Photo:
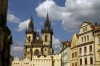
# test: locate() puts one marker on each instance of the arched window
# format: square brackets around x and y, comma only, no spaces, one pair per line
[36,52]
[29,39]
[45,37]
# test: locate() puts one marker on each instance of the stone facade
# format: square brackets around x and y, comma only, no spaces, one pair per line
[86,45]
[5,35]
[35,45]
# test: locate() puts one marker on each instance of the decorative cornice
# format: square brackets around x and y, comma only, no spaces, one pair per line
[85,43]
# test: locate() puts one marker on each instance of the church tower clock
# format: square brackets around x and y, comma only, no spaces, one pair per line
[47,33]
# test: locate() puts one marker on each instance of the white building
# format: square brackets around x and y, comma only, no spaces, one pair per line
[86,45]
[65,54]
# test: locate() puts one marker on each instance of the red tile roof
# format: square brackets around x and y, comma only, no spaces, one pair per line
[66,43]
[93,27]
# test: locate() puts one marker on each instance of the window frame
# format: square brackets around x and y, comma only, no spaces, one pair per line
[91,60]
[90,48]
[85,49]
[85,60]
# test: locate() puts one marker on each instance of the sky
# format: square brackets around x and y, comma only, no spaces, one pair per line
[65,15]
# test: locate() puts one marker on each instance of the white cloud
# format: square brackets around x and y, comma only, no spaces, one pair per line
[55,40]
[23,25]
[17,48]
[56,44]
[72,14]
[12,18]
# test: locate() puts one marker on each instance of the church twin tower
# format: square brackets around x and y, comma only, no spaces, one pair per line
[35,46]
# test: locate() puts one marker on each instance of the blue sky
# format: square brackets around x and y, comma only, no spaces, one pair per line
[65,16]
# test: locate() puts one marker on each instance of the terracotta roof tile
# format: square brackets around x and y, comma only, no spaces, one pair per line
[66,43]
[93,27]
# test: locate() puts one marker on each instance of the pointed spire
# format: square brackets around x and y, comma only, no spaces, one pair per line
[31,19]
[31,25]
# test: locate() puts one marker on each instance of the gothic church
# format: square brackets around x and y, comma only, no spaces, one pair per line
[35,46]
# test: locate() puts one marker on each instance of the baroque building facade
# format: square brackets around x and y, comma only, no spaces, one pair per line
[35,45]
[74,50]
[5,36]
[86,45]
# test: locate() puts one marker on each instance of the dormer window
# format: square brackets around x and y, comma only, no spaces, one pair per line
[84,29]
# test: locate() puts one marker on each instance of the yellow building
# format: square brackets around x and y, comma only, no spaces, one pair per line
[24,62]
[56,60]
[42,60]
[74,50]
[96,34]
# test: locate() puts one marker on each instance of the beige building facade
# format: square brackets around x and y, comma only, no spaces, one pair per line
[74,50]
[96,34]
[86,45]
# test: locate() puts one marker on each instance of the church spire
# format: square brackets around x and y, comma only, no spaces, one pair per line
[31,25]
[47,24]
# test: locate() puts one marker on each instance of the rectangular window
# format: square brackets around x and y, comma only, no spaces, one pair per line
[75,54]
[91,60]
[72,55]
[75,63]
[72,64]
[80,50]
[90,48]
[82,39]
[85,61]
[83,30]
[85,50]
[87,37]
[80,61]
